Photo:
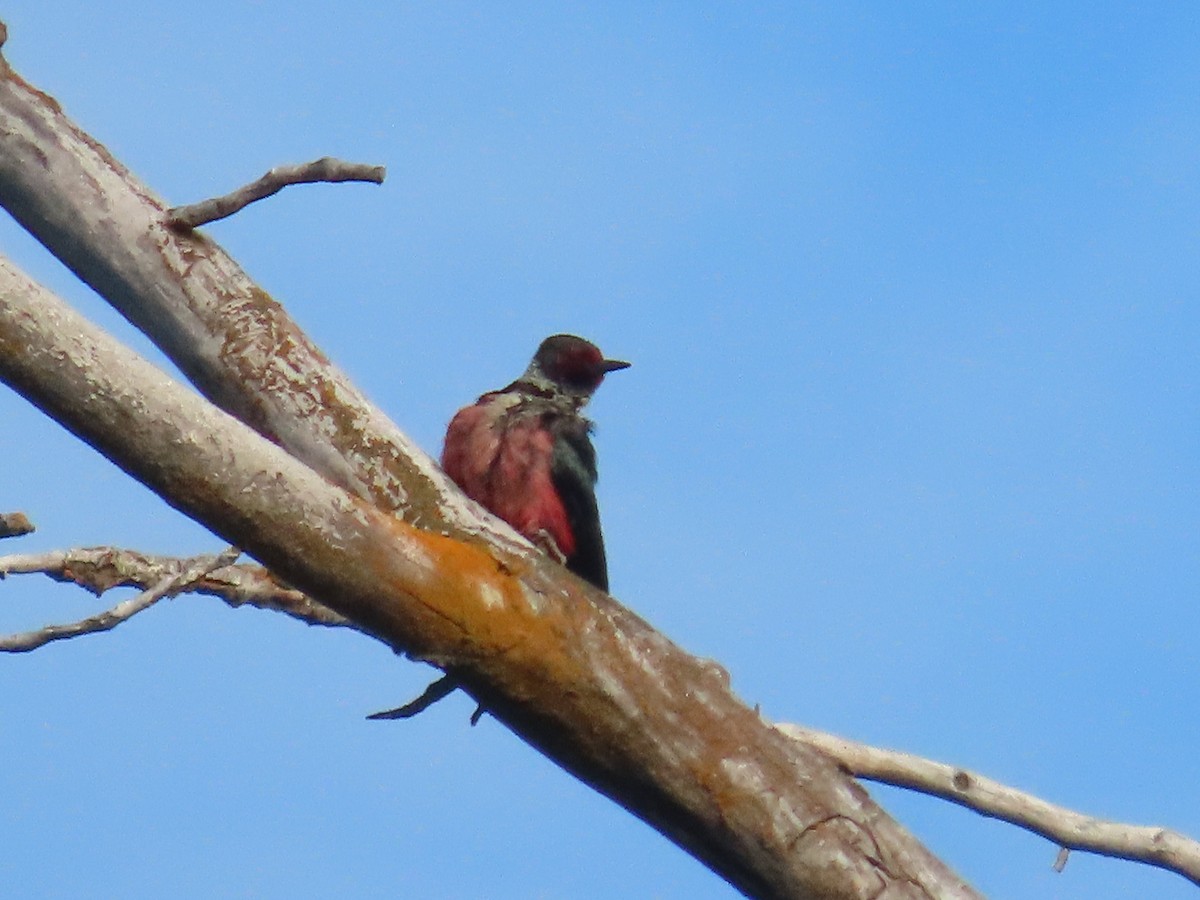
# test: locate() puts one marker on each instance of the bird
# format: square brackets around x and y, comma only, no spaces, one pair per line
[525,453]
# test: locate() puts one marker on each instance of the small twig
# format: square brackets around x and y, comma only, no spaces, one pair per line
[98,569]
[14,524]
[325,169]
[1060,862]
[189,572]
[1159,847]
[440,689]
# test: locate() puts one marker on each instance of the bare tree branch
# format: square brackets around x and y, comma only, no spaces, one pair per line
[1159,847]
[100,569]
[563,665]
[97,569]
[570,670]
[325,169]
[227,335]
[188,572]
[15,524]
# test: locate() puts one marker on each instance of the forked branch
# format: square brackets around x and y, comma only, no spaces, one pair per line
[99,569]
[187,573]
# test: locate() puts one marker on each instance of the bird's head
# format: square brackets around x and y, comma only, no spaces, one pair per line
[572,365]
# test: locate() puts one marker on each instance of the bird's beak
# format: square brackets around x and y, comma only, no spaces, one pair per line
[612,365]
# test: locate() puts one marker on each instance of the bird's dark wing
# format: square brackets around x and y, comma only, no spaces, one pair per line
[573,471]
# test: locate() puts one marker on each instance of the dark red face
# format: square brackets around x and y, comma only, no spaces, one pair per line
[575,363]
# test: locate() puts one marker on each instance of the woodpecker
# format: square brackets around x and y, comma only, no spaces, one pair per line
[525,452]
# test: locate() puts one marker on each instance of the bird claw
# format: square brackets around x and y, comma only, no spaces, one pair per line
[546,541]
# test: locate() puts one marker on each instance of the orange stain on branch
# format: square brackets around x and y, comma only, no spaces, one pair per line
[483,606]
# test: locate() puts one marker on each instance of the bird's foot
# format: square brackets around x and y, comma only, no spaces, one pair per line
[546,541]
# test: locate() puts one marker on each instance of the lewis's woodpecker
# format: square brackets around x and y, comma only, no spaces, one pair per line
[525,452]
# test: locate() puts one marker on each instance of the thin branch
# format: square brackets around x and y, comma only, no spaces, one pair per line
[439,690]
[325,169]
[98,569]
[106,621]
[14,524]
[1151,845]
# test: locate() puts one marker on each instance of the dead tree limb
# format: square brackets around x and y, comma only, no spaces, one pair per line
[99,569]
[102,568]
[566,667]
[244,353]
[1160,847]
[228,336]
[325,169]
[187,573]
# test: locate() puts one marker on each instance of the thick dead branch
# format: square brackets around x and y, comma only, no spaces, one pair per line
[226,334]
[187,572]
[325,169]
[566,667]
[1159,847]
[14,525]
[98,569]
[563,665]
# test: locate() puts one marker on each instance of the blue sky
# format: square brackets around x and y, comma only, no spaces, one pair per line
[909,444]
